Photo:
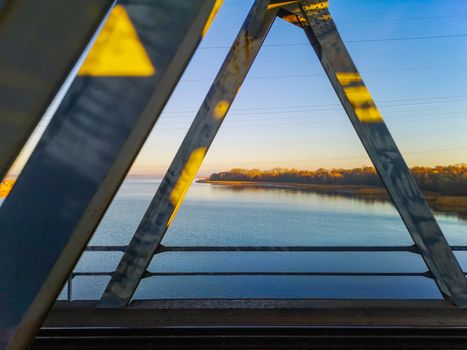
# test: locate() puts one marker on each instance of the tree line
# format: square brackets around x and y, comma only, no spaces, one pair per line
[446,180]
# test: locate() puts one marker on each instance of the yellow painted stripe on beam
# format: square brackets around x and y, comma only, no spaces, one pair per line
[359,97]
[281,4]
[346,78]
[186,178]
[363,104]
[221,108]
[118,51]
[358,94]
[368,114]
[212,15]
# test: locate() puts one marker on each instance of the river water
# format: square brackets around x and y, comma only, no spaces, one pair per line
[216,215]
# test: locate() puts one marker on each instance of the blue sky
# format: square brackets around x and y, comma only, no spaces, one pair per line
[287,115]
[419,85]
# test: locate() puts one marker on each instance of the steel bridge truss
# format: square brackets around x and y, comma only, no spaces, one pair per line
[316,21]
[106,115]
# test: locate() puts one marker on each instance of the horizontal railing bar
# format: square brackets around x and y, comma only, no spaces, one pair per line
[260,273]
[163,249]
[356,274]
[77,274]
[106,248]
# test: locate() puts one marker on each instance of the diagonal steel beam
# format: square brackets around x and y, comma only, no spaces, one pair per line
[36,57]
[187,161]
[382,150]
[85,152]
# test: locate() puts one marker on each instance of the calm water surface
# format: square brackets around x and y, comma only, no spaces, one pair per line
[217,215]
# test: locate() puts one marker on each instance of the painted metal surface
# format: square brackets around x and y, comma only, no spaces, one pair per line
[383,152]
[292,14]
[187,161]
[85,152]
[36,57]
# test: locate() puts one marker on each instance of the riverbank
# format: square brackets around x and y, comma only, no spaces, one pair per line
[440,203]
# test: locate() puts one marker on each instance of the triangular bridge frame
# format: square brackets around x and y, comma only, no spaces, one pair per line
[314,17]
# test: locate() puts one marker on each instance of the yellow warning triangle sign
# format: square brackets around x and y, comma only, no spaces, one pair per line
[117,50]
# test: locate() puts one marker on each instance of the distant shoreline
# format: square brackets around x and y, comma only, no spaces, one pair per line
[440,203]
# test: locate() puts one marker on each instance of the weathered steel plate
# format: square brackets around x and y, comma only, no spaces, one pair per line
[36,57]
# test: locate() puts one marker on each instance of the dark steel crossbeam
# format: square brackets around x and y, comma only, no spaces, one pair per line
[36,57]
[83,156]
[382,150]
[191,153]
[257,323]
[293,329]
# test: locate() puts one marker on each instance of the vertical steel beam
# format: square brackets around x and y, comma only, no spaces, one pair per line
[40,42]
[383,152]
[85,152]
[188,159]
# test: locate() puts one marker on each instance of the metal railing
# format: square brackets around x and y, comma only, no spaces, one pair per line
[227,249]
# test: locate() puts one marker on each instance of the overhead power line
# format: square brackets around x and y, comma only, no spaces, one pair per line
[353,41]
[373,20]
[422,100]
[362,157]
[411,19]
[322,74]
[293,161]
[409,38]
